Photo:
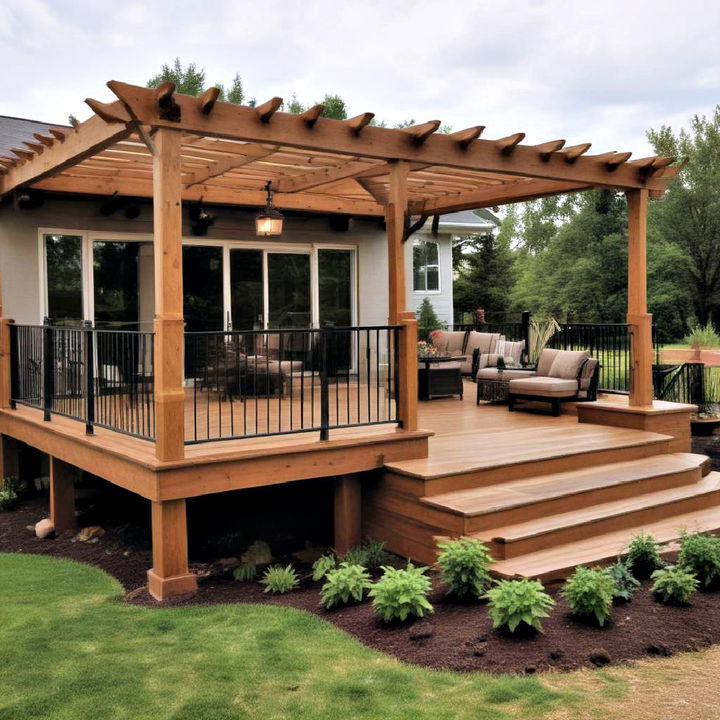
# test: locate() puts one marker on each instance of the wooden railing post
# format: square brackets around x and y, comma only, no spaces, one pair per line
[169,325]
[640,321]
[408,371]
[6,372]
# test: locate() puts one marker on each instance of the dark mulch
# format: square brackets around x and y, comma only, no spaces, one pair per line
[457,636]
[708,446]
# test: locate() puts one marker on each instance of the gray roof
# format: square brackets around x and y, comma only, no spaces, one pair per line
[464,217]
[14,130]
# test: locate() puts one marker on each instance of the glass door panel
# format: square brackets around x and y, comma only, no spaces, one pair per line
[288,290]
[202,288]
[335,283]
[246,289]
[115,284]
[63,262]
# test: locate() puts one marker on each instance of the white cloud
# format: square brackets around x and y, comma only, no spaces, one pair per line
[600,72]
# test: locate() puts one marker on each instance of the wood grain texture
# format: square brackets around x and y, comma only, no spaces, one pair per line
[62,495]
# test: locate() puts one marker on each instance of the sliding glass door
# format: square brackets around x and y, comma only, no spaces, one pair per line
[288,283]
[246,289]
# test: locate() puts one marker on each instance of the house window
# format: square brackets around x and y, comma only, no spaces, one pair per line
[63,267]
[426,266]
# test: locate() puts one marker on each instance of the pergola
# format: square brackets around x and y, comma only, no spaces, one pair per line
[174,148]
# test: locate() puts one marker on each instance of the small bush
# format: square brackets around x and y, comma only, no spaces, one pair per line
[643,556]
[371,555]
[625,583]
[465,566]
[245,572]
[674,585]
[590,593]
[516,602]
[9,494]
[343,584]
[700,554]
[400,594]
[279,579]
[322,566]
[703,336]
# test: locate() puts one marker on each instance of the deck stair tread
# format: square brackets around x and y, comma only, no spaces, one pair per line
[559,560]
[491,499]
[708,486]
[483,450]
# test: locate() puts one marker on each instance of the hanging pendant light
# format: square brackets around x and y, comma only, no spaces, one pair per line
[269,221]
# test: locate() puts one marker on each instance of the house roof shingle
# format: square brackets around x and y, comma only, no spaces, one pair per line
[13,131]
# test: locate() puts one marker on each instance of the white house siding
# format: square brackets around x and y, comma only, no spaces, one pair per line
[20,262]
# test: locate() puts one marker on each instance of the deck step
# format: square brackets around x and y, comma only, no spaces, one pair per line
[472,460]
[586,521]
[526,499]
[558,562]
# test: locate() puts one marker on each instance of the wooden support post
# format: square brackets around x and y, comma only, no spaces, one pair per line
[62,495]
[408,371]
[395,216]
[169,575]
[9,459]
[348,503]
[640,321]
[5,363]
[169,325]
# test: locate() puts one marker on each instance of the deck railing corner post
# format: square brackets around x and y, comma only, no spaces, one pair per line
[89,362]
[324,396]
[48,368]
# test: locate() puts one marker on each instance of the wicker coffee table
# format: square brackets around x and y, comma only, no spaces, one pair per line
[496,389]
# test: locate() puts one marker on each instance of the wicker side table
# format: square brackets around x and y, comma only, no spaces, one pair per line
[492,390]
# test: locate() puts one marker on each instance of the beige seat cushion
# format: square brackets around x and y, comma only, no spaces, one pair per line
[567,364]
[545,361]
[492,373]
[484,342]
[448,341]
[544,387]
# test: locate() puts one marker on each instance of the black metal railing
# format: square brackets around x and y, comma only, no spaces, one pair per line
[685,383]
[101,377]
[274,382]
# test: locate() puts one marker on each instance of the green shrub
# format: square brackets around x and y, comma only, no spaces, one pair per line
[590,592]
[703,336]
[322,566]
[625,583]
[245,572]
[371,555]
[9,494]
[643,556]
[343,584]
[674,585]
[700,554]
[465,566]
[279,579]
[512,602]
[400,594]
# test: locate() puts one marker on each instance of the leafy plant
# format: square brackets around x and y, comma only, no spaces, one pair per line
[703,336]
[674,585]
[348,582]
[700,554]
[625,583]
[643,556]
[540,332]
[9,494]
[322,566]
[279,579]
[512,602]
[400,594]
[465,566]
[428,320]
[245,572]
[371,555]
[590,592]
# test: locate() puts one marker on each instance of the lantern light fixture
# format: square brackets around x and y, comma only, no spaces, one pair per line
[269,221]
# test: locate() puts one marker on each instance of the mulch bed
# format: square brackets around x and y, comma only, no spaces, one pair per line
[458,636]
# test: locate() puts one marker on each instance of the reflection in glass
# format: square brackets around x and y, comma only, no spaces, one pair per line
[288,290]
[115,280]
[63,255]
[202,288]
[246,289]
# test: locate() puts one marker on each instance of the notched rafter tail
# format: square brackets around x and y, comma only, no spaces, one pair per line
[206,102]
[357,123]
[164,93]
[106,111]
[420,133]
[546,149]
[23,154]
[6,161]
[37,148]
[572,153]
[612,160]
[268,109]
[467,137]
[507,144]
[44,139]
[59,135]
[310,116]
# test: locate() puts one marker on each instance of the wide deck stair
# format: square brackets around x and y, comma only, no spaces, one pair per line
[543,499]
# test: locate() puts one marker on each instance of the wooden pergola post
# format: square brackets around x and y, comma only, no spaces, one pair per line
[395,215]
[640,321]
[169,324]
[169,575]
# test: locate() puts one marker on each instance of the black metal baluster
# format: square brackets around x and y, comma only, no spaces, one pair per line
[324,400]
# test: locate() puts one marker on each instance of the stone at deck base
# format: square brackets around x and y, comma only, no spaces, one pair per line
[45,529]
[258,553]
[89,533]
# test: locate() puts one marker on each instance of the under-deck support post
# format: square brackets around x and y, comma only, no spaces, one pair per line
[640,321]
[62,495]
[169,325]
[395,218]
[348,502]
[169,575]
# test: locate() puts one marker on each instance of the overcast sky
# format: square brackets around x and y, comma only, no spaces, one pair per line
[601,72]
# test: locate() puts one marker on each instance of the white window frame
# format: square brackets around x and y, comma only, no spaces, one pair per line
[439,287]
[90,237]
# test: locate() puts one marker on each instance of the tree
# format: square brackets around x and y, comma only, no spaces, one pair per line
[334,107]
[688,215]
[428,320]
[188,80]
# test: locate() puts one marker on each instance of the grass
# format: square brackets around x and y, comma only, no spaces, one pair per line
[71,649]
